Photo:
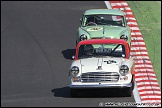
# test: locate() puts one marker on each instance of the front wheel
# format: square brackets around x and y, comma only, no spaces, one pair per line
[128,91]
[73,92]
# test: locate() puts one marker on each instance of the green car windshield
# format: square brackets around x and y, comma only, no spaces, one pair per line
[103,19]
[100,50]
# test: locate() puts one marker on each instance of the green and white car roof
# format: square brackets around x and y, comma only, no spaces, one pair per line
[104,11]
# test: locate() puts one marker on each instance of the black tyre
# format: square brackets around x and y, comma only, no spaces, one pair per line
[128,91]
[73,92]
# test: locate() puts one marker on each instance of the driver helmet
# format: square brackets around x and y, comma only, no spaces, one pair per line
[89,50]
[91,19]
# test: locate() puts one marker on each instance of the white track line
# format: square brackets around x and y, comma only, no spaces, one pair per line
[136,33]
[147,87]
[143,97]
[144,52]
[138,48]
[145,74]
[141,83]
[133,23]
[143,65]
[149,92]
[108,5]
[147,70]
[136,94]
[141,61]
[128,13]
[138,43]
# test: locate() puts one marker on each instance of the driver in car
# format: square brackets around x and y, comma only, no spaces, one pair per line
[91,21]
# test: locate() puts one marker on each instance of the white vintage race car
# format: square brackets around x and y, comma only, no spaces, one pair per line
[102,63]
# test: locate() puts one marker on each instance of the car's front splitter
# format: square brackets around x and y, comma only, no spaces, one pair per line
[100,85]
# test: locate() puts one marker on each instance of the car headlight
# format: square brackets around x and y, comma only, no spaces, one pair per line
[124,37]
[74,70]
[83,37]
[124,70]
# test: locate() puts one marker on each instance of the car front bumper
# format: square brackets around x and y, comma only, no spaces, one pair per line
[84,86]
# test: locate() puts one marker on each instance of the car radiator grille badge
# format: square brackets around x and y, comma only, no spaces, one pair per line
[99,68]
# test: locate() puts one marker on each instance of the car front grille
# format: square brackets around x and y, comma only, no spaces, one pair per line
[100,77]
[101,37]
[97,37]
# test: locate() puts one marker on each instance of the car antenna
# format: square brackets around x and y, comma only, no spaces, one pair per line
[104,32]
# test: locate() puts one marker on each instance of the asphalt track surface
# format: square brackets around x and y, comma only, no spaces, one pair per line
[37,42]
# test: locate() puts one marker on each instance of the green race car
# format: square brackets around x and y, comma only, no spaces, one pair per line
[103,23]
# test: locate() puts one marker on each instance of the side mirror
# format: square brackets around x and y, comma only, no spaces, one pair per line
[127,21]
[80,20]
[73,57]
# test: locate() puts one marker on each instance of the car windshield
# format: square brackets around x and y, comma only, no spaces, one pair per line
[103,19]
[100,50]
